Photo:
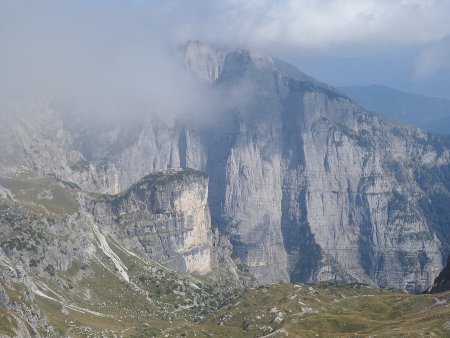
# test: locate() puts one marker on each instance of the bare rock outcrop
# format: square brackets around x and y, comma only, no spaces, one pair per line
[307,185]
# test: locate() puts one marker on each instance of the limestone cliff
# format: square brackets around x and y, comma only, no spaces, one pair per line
[166,216]
[64,250]
[307,185]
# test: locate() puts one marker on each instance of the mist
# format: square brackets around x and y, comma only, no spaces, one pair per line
[122,57]
[94,57]
[434,59]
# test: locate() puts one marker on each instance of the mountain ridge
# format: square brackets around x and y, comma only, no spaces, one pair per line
[306,184]
[426,112]
[165,225]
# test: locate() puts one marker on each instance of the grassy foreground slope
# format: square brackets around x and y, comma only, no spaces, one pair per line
[329,311]
[271,311]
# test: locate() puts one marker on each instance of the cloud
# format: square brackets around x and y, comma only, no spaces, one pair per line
[434,59]
[103,57]
[312,24]
[115,54]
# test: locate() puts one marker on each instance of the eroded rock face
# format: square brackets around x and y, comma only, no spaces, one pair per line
[165,215]
[59,243]
[362,214]
[306,184]
[37,140]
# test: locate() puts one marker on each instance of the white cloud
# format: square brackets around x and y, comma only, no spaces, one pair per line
[315,24]
[105,56]
[102,48]
[434,59]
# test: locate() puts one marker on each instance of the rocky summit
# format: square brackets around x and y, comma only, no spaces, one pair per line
[116,223]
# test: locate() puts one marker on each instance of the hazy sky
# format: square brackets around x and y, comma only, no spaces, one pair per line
[125,46]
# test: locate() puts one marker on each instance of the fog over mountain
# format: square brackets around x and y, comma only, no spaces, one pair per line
[164,172]
[97,51]
[121,90]
[102,59]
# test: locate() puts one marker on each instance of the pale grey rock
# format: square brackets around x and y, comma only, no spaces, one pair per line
[203,60]
[53,254]
[306,185]
[349,193]
[4,193]
[4,299]
[165,216]
[37,140]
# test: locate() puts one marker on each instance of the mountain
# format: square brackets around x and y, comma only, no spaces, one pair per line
[429,113]
[169,223]
[102,260]
[305,184]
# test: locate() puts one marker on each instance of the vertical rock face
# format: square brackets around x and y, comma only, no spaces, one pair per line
[244,164]
[363,216]
[166,216]
[306,184]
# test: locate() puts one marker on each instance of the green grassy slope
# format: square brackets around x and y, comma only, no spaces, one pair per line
[89,297]
[115,309]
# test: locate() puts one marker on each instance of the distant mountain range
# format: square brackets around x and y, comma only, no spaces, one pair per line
[429,113]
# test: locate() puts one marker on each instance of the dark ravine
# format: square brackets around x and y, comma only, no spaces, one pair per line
[442,281]
[305,184]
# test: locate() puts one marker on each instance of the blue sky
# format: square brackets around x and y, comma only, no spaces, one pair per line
[396,68]
[400,43]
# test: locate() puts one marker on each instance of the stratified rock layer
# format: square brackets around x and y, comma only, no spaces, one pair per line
[306,184]
[166,216]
